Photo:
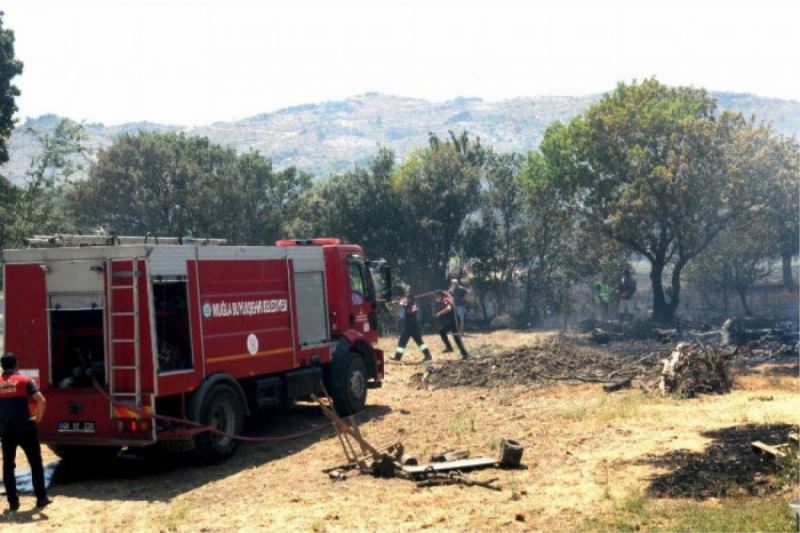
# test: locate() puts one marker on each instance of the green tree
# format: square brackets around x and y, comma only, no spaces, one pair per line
[171,184]
[10,67]
[654,168]
[359,206]
[548,246]
[781,176]
[437,187]
[737,260]
[503,201]
[39,205]
[8,196]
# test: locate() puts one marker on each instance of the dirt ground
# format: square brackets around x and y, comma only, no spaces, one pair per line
[594,461]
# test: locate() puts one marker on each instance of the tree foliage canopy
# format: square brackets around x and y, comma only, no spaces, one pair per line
[10,67]
[654,168]
[170,184]
[649,170]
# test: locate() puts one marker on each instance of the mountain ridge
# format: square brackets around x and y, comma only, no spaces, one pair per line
[332,136]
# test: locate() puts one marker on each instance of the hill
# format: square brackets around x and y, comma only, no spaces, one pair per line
[330,137]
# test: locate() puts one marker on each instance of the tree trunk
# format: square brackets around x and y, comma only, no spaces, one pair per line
[786,260]
[675,297]
[528,296]
[661,312]
[725,277]
[743,299]
[663,309]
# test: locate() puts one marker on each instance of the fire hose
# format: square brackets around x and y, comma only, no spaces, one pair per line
[197,427]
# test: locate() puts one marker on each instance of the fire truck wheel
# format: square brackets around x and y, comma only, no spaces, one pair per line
[354,387]
[94,454]
[223,410]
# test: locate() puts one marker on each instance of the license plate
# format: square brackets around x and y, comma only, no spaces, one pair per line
[75,427]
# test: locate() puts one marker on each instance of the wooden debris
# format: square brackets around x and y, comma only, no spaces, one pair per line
[794,440]
[600,336]
[449,456]
[666,335]
[448,466]
[773,451]
[458,478]
[619,385]
[694,368]
[395,449]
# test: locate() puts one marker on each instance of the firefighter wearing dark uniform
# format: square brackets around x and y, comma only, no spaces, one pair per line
[19,428]
[411,328]
[447,318]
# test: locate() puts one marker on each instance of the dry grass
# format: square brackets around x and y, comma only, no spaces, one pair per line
[592,460]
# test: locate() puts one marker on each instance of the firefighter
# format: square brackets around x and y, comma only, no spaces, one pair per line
[603,298]
[408,314]
[19,428]
[625,291]
[447,318]
[459,293]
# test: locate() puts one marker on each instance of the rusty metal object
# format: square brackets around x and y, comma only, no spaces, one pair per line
[395,449]
[511,453]
[408,460]
[349,436]
[384,466]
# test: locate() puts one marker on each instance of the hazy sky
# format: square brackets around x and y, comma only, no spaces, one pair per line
[189,62]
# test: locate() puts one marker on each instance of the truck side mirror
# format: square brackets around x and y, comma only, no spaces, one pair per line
[381,270]
[386,282]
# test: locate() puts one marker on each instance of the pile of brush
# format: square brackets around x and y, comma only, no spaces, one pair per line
[694,368]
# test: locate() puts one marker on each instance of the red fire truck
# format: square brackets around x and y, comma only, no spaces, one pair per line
[192,329]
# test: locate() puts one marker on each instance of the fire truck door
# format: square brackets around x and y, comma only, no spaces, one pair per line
[362,295]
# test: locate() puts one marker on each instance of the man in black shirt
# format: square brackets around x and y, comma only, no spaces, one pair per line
[447,319]
[19,428]
[411,328]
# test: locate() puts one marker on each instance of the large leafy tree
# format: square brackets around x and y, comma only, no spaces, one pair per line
[438,187]
[359,206]
[502,205]
[39,205]
[656,169]
[781,176]
[548,245]
[7,201]
[10,67]
[171,184]
[738,258]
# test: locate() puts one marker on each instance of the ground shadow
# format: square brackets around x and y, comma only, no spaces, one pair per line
[161,477]
[25,517]
[785,368]
[728,466]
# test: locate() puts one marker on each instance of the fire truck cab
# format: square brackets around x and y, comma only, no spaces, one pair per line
[115,329]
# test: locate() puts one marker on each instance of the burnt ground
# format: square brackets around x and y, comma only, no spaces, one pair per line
[569,358]
[587,453]
[726,467]
[575,357]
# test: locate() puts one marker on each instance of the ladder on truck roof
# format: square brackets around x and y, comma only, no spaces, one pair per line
[65,239]
[124,353]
